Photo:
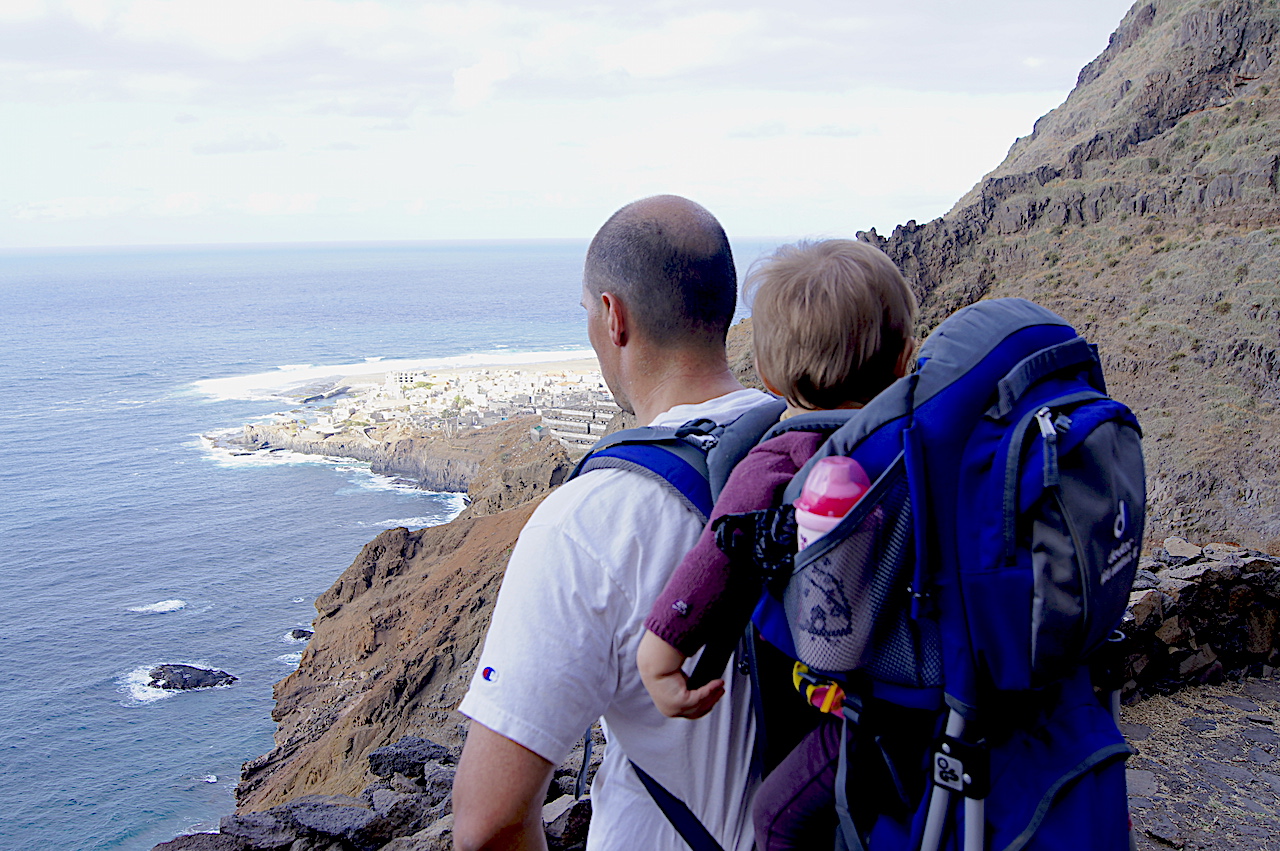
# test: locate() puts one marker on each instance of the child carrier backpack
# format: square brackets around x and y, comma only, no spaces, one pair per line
[988,563]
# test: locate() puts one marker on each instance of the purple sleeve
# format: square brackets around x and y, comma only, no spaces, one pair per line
[701,597]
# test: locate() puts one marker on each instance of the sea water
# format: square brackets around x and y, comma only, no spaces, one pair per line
[130,539]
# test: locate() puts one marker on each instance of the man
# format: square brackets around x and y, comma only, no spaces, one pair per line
[659,290]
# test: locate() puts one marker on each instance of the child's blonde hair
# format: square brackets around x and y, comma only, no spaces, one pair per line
[830,321]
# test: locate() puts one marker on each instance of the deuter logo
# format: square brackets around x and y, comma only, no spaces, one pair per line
[1122,521]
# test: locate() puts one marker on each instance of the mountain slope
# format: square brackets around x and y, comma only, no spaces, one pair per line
[1145,211]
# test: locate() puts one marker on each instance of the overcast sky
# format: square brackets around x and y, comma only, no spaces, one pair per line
[168,121]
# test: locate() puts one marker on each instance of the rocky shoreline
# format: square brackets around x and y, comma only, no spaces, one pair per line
[433,460]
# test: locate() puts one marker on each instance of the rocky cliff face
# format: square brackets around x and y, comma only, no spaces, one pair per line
[392,653]
[395,635]
[436,461]
[1145,211]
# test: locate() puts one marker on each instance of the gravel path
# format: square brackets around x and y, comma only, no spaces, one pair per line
[1207,771]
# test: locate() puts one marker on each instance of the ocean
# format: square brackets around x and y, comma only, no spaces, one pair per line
[131,540]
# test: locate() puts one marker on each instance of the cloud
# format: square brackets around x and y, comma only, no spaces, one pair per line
[277,204]
[837,131]
[243,143]
[474,84]
[768,130]
[82,207]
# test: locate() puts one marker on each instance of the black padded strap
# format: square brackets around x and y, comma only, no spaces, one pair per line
[694,833]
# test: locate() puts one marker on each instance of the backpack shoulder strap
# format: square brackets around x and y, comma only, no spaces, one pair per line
[823,422]
[693,460]
[734,440]
[658,453]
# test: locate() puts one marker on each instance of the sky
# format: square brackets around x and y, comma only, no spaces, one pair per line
[138,122]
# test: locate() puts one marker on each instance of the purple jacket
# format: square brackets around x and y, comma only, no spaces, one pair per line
[701,597]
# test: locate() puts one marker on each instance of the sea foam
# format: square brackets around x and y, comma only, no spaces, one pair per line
[135,685]
[160,608]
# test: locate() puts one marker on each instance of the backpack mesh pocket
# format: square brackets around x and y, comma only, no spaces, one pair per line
[847,602]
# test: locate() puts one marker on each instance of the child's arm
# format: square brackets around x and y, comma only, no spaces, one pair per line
[660,669]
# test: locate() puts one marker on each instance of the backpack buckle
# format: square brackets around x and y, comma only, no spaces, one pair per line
[765,540]
[962,767]
[701,432]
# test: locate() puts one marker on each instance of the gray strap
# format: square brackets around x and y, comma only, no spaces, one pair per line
[1072,353]
[847,838]
[580,785]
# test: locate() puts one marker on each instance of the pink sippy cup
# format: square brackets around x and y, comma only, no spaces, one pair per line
[834,485]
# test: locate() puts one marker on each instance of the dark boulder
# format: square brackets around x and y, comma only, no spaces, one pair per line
[185,677]
[407,757]
[203,842]
[300,634]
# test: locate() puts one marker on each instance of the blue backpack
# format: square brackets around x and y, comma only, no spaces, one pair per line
[972,584]
[989,562]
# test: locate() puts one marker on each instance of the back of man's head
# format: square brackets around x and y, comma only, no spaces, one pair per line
[669,262]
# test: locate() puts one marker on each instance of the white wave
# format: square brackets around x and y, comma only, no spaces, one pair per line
[277,383]
[160,608]
[291,659]
[298,600]
[135,685]
[227,455]
[450,505]
[209,778]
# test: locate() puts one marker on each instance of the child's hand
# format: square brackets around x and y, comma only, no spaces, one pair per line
[659,665]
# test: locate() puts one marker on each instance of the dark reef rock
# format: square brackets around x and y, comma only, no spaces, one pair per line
[187,677]
[300,634]
[408,756]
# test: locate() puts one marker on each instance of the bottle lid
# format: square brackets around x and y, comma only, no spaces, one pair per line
[834,485]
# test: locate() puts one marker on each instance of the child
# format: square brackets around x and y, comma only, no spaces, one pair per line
[832,325]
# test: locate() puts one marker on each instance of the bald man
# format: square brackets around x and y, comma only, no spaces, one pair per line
[659,290]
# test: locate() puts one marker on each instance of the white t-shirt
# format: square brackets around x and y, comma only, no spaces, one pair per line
[561,652]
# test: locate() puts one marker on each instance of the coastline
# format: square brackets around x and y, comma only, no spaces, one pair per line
[425,425]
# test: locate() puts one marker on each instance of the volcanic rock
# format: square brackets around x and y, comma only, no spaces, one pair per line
[187,677]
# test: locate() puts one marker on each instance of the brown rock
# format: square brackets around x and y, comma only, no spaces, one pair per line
[1190,572]
[437,837]
[1218,552]
[1144,604]
[1260,630]
[1197,662]
[1171,631]
[1179,547]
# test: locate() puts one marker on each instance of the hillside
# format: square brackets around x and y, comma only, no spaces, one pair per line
[1144,209]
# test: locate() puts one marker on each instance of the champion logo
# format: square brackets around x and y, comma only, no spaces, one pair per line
[490,675]
[1122,521]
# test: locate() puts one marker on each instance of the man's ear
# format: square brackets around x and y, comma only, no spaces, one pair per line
[616,317]
[904,359]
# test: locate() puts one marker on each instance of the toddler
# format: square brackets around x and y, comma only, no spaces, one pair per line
[832,324]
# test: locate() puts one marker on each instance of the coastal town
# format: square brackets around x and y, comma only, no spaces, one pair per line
[570,396]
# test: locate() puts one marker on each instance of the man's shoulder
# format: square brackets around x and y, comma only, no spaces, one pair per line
[722,409]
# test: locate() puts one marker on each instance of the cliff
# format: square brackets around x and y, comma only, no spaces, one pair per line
[1144,209]
[391,656]
[436,461]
